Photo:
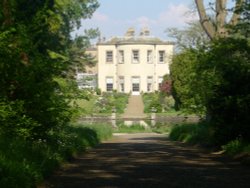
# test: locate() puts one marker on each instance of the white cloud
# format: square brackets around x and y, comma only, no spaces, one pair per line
[173,16]
[99,17]
[176,15]
[144,21]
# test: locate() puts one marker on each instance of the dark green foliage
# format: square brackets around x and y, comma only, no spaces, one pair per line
[200,133]
[35,48]
[36,88]
[215,80]
[187,90]
[229,101]
[24,164]
[151,102]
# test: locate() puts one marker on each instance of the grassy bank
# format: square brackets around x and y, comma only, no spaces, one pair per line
[137,128]
[102,105]
[203,134]
[25,163]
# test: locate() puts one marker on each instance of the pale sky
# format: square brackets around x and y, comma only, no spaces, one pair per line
[114,17]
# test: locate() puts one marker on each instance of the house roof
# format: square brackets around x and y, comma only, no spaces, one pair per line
[135,40]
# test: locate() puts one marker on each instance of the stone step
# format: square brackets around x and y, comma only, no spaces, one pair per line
[135,107]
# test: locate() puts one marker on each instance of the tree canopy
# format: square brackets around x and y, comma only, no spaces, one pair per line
[35,45]
[213,78]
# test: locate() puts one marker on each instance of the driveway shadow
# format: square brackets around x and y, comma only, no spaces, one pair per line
[149,160]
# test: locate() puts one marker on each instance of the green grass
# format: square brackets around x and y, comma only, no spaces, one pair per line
[87,106]
[135,128]
[163,128]
[102,105]
[25,163]
[196,133]
[236,146]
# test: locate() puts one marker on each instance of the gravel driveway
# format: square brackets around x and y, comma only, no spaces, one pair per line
[149,160]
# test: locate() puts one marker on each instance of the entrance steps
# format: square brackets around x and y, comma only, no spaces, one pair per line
[135,108]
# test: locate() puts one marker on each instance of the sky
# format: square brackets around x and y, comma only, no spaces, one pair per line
[114,17]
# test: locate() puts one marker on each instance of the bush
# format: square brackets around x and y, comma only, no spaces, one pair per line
[14,122]
[158,102]
[151,101]
[109,101]
[227,65]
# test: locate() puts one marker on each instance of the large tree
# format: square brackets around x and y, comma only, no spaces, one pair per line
[192,36]
[35,43]
[217,26]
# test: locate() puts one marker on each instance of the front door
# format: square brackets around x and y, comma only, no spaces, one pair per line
[135,85]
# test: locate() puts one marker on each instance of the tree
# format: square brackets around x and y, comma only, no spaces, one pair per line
[34,50]
[188,90]
[217,26]
[226,63]
[192,36]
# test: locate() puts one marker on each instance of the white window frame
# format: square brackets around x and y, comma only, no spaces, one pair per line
[109,82]
[160,80]
[149,56]
[121,56]
[135,56]
[149,83]
[121,83]
[162,56]
[109,56]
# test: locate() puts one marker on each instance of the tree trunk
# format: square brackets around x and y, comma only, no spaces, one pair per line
[205,20]
[6,13]
[221,14]
[218,29]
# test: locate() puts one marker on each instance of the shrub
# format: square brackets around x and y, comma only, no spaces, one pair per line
[108,101]
[14,122]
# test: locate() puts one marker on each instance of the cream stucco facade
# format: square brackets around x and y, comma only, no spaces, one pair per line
[133,63]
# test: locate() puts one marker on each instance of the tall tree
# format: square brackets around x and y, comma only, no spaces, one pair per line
[216,27]
[192,36]
[34,50]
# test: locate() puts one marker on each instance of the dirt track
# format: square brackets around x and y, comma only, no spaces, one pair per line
[149,160]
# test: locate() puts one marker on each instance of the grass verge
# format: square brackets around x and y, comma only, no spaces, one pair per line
[26,163]
[134,128]
[193,133]
[203,134]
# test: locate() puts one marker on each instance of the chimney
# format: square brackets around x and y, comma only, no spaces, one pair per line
[130,32]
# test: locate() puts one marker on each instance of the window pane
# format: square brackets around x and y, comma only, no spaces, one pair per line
[161,56]
[121,56]
[109,56]
[109,87]
[149,56]
[135,56]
